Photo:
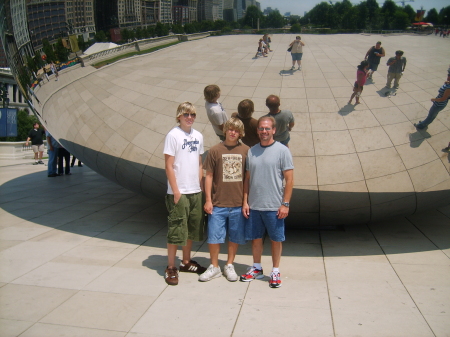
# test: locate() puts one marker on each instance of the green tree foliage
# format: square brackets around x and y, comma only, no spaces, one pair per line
[401,20]
[444,16]
[24,125]
[410,11]
[48,50]
[31,64]
[139,33]
[191,28]
[161,29]
[62,53]
[251,17]
[275,20]
[81,43]
[100,36]
[432,16]
[177,29]
[296,28]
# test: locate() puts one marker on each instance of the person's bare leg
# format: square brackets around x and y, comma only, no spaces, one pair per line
[214,249]
[187,252]
[351,98]
[257,250]
[277,247]
[41,154]
[171,254]
[232,250]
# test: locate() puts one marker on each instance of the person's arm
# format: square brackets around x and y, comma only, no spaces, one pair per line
[391,61]
[208,207]
[368,53]
[245,207]
[290,126]
[302,43]
[444,97]
[170,172]
[383,54]
[49,143]
[200,177]
[283,211]
[28,139]
[404,64]
[291,44]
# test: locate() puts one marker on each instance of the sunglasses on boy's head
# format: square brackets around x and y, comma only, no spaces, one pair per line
[187,114]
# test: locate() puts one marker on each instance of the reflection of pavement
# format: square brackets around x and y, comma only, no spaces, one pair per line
[355,164]
[81,256]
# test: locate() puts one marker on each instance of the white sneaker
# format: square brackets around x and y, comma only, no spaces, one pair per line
[210,273]
[299,67]
[230,273]
[292,68]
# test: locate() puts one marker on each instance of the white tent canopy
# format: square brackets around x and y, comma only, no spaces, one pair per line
[99,46]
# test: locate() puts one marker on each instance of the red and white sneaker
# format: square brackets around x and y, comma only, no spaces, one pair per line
[275,280]
[251,274]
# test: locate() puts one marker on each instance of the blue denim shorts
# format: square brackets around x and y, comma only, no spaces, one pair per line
[259,221]
[223,218]
[286,141]
[297,56]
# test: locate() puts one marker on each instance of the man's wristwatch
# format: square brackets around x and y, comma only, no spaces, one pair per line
[285,204]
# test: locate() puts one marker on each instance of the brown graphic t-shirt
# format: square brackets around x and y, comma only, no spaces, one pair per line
[227,163]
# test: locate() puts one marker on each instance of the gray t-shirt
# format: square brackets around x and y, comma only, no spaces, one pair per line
[283,119]
[398,66]
[266,165]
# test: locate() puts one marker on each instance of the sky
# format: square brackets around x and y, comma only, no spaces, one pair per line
[298,7]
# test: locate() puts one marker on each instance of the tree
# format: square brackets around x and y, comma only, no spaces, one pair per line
[410,11]
[100,36]
[444,16]
[275,20]
[161,30]
[401,20]
[139,33]
[177,29]
[432,16]
[296,28]
[81,43]
[61,52]
[251,17]
[48,50]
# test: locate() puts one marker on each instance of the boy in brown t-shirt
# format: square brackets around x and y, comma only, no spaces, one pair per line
[225,169]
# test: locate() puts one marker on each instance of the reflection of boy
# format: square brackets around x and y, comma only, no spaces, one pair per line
[216,114]
[183,147]
[224,166]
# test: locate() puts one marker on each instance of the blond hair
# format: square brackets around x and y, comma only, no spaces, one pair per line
[185,107]
[234,124]
[211,92]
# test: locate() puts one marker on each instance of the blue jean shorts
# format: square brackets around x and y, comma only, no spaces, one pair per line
[260,221]
[223,218]
[286,141]
[296,56]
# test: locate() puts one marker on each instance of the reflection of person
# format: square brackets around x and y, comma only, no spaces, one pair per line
[439,103]
[297,52]
[63,158]
[37,144]
[284,119]
[261,48]
[183,148]
[224,183]
[266,202]
[373,56]
[216,114]
[73,162]
[245,112]
[267,41]
[397,66]
[52,150]
[54,70]
[361,75]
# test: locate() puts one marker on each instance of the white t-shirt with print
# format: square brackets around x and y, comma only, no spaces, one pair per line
[187,149]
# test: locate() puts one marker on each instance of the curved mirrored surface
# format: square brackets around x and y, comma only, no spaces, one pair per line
[353,163]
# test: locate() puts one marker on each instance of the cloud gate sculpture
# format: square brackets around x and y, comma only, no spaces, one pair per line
[353,164]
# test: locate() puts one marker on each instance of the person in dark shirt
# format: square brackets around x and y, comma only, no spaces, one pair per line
[37,144]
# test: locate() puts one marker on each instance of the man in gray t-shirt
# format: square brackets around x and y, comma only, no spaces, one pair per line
[266,202]
[283,118]
[397,66]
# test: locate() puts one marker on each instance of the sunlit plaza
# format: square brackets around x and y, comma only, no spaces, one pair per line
[368,243]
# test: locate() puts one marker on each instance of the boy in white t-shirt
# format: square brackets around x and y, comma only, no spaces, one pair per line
[183,148]
[216,114]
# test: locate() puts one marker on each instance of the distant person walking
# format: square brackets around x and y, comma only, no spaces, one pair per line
[373,56]
[297,52]
[54,70]
[439,103]
[397,66]
[361,75]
